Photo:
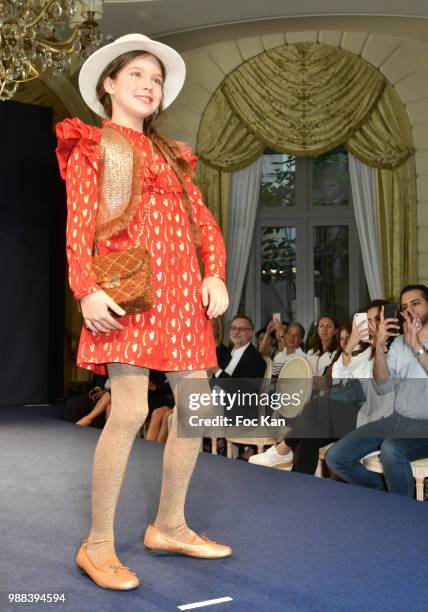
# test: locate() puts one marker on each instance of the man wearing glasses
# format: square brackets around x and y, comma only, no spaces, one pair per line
[403,436]
[244,360]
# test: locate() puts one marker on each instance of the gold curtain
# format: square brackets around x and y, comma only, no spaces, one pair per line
[306,99]
[396,194]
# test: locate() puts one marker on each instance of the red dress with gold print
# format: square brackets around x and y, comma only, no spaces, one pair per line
[176,333]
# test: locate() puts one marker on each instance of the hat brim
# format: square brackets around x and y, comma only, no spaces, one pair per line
[93,67]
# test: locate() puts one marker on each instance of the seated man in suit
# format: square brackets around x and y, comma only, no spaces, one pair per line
[241,369]
[244,360]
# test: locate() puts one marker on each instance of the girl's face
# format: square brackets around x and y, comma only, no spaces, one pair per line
[343,338]
[326,329]
[136,91]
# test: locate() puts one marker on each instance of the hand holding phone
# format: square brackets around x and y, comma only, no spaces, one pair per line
[388,327]
[362,323]
[390,311]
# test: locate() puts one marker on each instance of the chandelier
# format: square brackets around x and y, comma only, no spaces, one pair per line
[44,35]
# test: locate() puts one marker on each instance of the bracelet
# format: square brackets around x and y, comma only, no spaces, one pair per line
[346,353]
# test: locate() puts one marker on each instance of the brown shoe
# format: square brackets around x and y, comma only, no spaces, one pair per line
[198,546]
[109,575]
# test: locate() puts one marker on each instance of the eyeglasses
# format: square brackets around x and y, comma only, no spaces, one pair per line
[239,329]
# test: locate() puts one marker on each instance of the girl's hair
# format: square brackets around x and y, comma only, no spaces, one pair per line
[168,148]
[315,341]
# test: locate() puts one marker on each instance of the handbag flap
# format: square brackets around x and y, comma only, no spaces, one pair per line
[119,265]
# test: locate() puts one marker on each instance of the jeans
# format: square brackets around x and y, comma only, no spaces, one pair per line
[395,453]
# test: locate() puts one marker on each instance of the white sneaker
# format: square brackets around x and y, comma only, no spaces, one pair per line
[271,458]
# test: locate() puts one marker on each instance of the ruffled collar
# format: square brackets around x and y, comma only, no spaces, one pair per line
[127,131]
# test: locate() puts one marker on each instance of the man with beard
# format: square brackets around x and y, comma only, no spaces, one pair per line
[403,436]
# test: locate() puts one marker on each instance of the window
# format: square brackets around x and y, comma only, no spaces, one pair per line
[305,229]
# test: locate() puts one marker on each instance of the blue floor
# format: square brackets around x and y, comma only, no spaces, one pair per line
[300,543]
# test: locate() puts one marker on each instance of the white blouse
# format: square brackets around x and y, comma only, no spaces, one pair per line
[361,366]
[318,362]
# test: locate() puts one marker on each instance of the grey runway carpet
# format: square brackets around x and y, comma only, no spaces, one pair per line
[300,543]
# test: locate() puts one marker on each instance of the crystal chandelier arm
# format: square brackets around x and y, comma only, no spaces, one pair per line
[44,10]
[35,74]
[65,44]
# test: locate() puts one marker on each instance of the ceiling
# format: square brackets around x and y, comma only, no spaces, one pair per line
[165,18]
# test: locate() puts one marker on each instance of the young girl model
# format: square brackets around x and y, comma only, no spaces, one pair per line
[129,82]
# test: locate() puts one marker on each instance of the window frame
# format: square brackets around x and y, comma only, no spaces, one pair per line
[304,216]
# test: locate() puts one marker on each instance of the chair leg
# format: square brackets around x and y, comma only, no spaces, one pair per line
[419,489]
[319,470]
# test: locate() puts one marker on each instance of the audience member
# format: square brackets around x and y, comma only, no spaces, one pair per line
[271,339]
[322,349]
[403,436]
[244,360]
[326,419]
[77,408]
[293,342]
[102,406]
[342,336]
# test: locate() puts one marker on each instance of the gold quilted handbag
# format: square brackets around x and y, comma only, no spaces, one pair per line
[127,277]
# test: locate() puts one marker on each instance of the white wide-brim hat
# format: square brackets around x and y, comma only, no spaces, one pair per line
[93,67]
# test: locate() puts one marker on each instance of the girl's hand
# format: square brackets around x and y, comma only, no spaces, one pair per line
[95,310]
[214,295]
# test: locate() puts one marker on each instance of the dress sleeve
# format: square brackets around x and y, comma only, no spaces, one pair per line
[82,195]
[78,158]
[212,250]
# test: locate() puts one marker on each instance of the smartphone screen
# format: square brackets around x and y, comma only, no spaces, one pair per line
[276,316]
[389,311]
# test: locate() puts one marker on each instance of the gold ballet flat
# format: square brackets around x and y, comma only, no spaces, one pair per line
[109,575]
[198,546]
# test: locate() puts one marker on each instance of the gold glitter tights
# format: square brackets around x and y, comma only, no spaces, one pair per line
[179,457]
[128,412]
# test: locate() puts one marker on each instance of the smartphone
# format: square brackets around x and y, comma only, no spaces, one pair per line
[390,311]
[361,317]
[276,316]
